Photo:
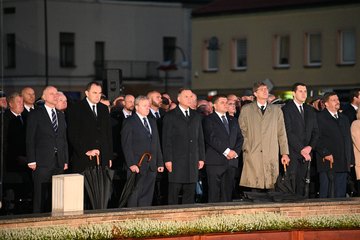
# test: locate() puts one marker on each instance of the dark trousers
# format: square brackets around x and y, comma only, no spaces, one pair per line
[339,184]
[220,182]
[188,190]
[143,193]
[297,170]
[42,178]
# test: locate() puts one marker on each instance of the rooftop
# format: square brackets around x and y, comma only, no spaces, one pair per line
[221,7]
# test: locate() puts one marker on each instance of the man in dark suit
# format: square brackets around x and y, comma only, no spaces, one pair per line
[139,135]
[224,141]
[183,148]
[17,176]
[334,147]
[157,113]
[89,130]
[46,147]
[302,132]
[29,97]
[351,108]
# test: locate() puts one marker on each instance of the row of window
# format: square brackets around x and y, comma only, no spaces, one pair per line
[67,50]
[346,47]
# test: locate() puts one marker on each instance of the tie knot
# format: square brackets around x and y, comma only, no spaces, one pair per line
[262,108]
[336,116]
[157,115]
[187,113]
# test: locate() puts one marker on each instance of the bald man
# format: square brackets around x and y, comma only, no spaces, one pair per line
[46,147]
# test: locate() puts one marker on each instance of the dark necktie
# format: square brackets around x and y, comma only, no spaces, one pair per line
[93,109]
[54,120]
[262,108]
[302,112]
[20,119]
[336,116]
[146,125]
[225,122]
[186,114]
[157,116]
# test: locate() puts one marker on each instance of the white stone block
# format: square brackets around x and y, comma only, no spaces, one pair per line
[67,193]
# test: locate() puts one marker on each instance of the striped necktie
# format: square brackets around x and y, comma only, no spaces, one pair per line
[54,120]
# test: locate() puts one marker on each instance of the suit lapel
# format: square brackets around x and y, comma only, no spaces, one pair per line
[181,115]
[219,122]
[88,110]
[141,124]
[47,118]
[298,114]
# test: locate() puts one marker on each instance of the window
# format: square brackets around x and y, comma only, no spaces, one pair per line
[211,54]
[313,49]
[99,60]
[239,52]
[346,47]
[10,50]
[9,10]
[67,49]
[169,47]
[282,51]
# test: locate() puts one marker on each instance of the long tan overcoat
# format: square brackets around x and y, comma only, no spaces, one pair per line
[355,134]
[263,135]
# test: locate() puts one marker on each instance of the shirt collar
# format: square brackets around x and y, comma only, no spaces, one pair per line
[355,107]
[333,114]
[153,112]
[27,107]
[126,113]
[91,104]
[259,105]
[220,114]
[183,110]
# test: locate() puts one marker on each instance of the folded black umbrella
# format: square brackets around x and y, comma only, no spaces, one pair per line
[307,179]
[330,174]
[131,182]
[284,183]
[98,184]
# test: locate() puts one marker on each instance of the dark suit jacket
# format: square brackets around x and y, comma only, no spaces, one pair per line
[300,133]
[335,139]
[14,142]
[42,141]
[135,142]
[159,121]
[87,132]
[350,112]
[218,140]
[183,145]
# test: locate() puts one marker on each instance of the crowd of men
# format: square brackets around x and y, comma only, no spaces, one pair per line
[197,146]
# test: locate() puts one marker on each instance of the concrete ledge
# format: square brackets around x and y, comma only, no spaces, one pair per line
[185,212]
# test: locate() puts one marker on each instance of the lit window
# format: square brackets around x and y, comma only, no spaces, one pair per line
[313,49]
[282,51]
[211,54]
[239,53]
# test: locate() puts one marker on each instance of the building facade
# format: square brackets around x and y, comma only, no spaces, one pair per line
[67,43]
[236,43]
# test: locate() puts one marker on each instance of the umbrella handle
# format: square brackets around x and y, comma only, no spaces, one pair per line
[97,159]
[142,158]
[284,164]
[331,163]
